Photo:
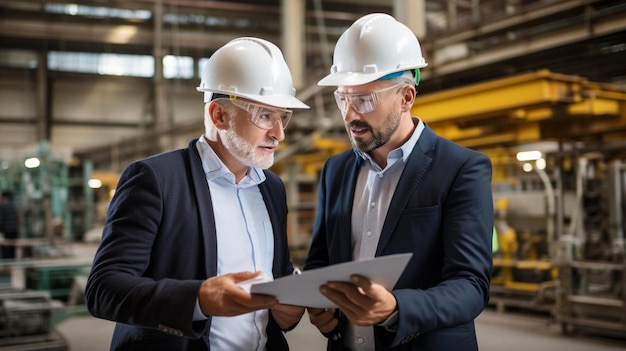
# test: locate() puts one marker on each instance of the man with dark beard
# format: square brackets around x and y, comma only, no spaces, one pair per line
[186,227]
[401,189]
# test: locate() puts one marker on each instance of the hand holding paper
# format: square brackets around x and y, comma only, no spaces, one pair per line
[303,289]
[362,301]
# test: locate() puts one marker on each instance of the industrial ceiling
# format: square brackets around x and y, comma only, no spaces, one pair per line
[464,41]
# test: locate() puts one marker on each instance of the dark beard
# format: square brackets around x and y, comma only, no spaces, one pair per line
[379,138]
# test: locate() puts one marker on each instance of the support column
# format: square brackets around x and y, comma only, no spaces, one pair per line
[452,23]
[413,14]
[161,119]
[292,18]
[43,116]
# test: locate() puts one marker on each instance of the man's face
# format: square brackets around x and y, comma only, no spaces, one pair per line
[248,143]
[371,130]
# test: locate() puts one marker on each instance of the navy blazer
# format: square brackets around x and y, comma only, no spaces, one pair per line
[159,245]
[442,212]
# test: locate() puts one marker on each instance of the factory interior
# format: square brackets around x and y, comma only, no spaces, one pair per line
[86,87]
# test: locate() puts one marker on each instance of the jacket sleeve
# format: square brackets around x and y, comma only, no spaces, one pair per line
[463,240]
[123,285]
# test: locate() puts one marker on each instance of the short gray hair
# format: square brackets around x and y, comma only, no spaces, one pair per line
[210,130]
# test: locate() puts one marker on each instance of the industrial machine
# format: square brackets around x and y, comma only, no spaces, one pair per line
[561,239]
[55,207]
[524,275]
[53,199]
[26,321]
[592,253]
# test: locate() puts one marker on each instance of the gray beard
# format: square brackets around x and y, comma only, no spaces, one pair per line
[243,151]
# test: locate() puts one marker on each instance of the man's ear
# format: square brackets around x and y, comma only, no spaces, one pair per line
[217,115]
[408,98]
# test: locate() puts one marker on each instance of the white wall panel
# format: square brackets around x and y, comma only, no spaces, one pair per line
[126,101]
[77,137]
[17,99]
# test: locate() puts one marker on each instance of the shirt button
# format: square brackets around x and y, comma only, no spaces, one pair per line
[369,233]
[359,340]
[372,204]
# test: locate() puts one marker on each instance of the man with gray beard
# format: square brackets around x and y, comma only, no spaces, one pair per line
[186,227]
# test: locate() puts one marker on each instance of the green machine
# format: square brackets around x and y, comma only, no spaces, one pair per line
[53,197]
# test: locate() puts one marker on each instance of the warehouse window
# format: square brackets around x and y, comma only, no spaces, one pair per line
[201,63]
[97,12]
[178,67]
[181,67]
[106,64]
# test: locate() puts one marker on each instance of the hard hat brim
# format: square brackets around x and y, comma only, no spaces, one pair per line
[277,100]
[282,101]
[348,78]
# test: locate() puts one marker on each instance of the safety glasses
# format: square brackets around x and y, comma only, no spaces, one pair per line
[263,116]
[361,103]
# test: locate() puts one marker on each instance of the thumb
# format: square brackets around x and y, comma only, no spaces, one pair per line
[241,276]
[361,282]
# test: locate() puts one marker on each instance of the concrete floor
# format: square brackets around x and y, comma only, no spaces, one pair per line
[496,332]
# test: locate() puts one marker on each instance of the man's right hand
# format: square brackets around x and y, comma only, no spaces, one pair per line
[220,296]
[324,319]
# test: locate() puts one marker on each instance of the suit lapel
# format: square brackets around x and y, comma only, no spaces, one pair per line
[418,162]
[270,204]
[350,174]
[205,209]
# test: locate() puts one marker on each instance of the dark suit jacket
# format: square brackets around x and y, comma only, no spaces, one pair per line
[442,212]
[159,244]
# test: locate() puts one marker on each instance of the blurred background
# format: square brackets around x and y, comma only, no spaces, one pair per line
[538,85]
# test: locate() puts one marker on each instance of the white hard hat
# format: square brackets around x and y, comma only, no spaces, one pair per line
[252,68]
[374,46]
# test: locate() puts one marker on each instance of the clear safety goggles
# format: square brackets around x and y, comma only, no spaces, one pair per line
[263,116]
[361,103]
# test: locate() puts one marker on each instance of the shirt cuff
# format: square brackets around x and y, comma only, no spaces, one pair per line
[197,313]
[391,323]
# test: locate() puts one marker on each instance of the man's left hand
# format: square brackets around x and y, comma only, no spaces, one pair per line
[362,302]
[286,315]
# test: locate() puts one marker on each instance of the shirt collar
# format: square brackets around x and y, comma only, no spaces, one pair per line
[214,167]
[403,151]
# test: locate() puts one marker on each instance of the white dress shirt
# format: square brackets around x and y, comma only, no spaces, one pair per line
[245,242]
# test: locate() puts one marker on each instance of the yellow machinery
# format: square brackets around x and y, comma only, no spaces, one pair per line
[523,275]
[526,108]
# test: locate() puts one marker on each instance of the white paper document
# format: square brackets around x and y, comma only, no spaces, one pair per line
[303,289]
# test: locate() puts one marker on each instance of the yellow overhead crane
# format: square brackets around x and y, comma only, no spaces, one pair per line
[526,108]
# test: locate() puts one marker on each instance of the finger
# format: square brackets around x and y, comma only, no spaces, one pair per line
[258,301]
[347,295]
[287,315]
[312,311]
[242,276]
[323,315]
[361,282]
[246,306]
[325,321]
[288,308]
